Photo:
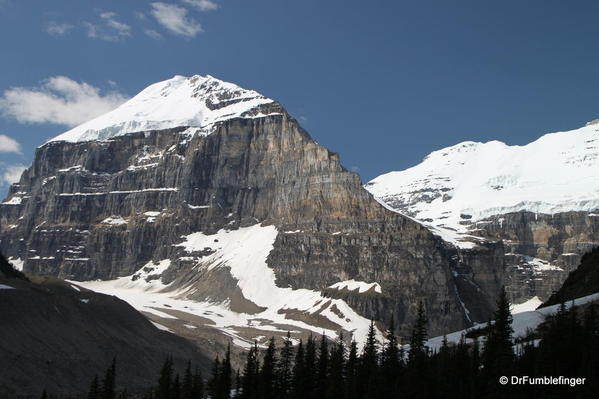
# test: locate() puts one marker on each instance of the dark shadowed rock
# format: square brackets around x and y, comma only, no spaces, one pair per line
[57,336]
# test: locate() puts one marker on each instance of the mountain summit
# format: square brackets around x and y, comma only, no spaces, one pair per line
[556,173]
[196,102]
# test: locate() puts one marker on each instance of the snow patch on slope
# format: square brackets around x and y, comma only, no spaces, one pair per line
[197,102]
[352,285]
[17,263]
[244,252]
[527,306]
[523,321]
[114,220]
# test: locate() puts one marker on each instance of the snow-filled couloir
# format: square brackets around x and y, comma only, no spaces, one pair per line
[471,181]
[195,102]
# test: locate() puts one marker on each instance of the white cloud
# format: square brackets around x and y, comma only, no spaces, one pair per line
[174,18]
[58,29]
[58,100]
[109,29]
[203,5]
[153,34]
[8,144]
[12,173]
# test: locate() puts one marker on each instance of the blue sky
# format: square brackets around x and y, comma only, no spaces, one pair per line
[381,82]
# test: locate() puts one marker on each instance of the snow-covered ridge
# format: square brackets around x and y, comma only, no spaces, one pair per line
[195,102]
[471,181]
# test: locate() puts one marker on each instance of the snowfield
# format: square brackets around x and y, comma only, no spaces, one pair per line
[471,181]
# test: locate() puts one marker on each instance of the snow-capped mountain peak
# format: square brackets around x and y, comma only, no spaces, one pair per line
[194,102]
[471,181]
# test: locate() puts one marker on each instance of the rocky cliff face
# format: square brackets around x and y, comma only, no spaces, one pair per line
[538,202]
[541,249]
[249,215]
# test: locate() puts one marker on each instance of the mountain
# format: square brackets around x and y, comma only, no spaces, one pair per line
[208,207]
[583,281]
[57,336]
[539,201]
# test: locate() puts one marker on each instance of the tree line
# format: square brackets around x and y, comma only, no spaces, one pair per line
[566,344]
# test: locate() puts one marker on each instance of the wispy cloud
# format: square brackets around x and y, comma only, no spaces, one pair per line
[8,144]
[58,29]
[175,19]
[153,34]
[11,174]
[202,5]
[108,28]
[59,100]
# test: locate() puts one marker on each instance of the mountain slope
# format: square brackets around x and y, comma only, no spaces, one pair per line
[580,282]
[539,201]
[57,336]
[100,203]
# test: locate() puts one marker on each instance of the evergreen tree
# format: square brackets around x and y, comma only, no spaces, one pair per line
[223,381]
[267,372]
[213,383]
[197,385]
[418,349]
[187,386]
[227,374]
[322,369]
[390,365]
[351,372]
[176,388]
[108,390]
[94,389]
[283,379]
[418,360]
[299,373]
[251,372]
[336,373]
[310,368]
[165,380]
[368,370]
[498,354]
